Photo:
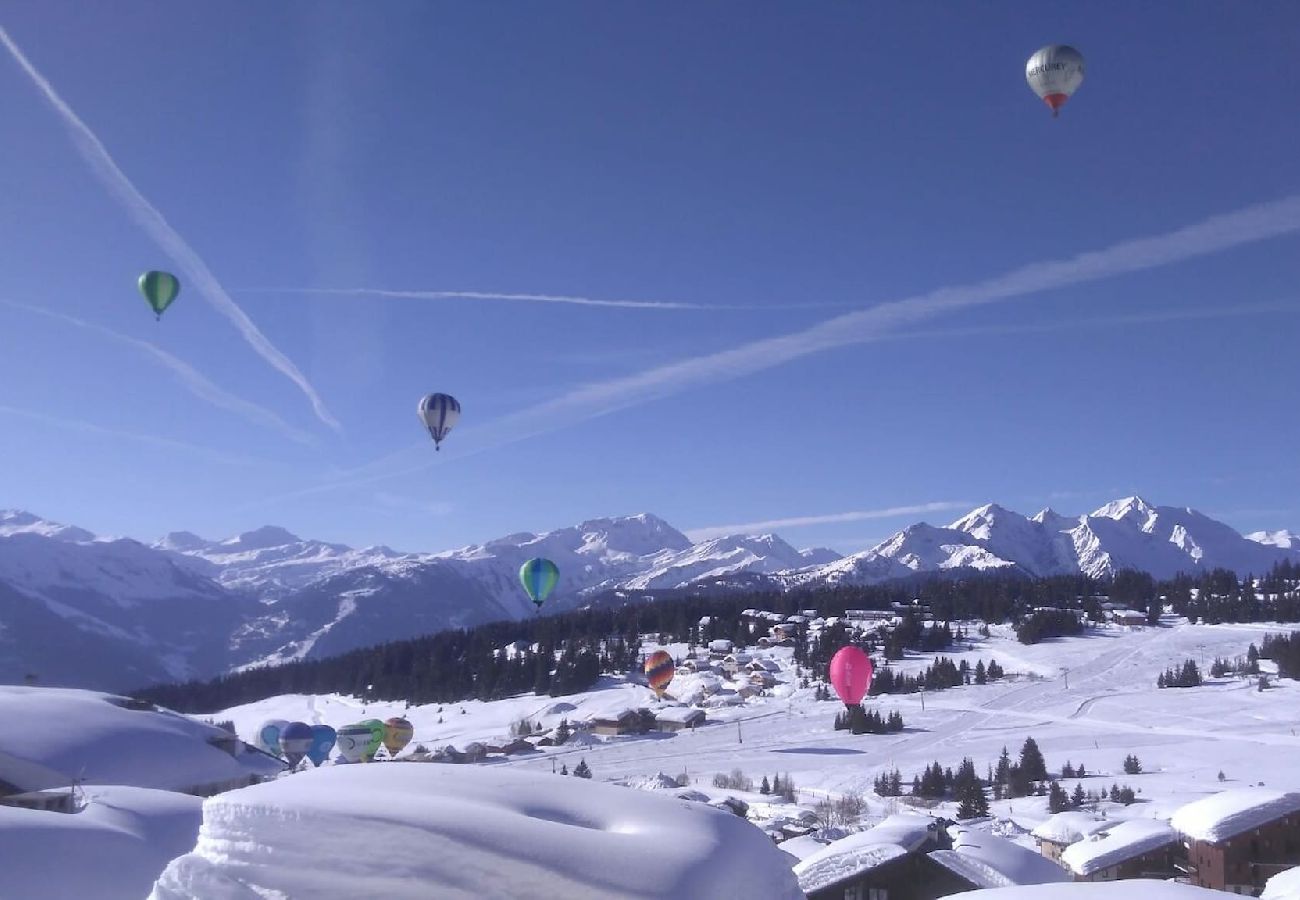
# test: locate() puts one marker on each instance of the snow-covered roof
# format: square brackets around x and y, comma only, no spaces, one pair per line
[1129,889]
[1068,827]
[113,848]
[987,861]
[1283,886]
[844,859]
[420,830]
[678,714]
[802,847]
[93,736]
[894,837]
[1229,813]
[909,831]
[1118,844]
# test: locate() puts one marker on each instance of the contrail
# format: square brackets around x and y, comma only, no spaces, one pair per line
[538,298]
[198,275]
[712,531]
[188,376]
[1213,235]
[154,440]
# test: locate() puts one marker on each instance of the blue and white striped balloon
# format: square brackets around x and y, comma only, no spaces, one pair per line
[439,413]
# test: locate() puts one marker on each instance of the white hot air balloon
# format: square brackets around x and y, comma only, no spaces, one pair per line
[1054,73]
[439,413]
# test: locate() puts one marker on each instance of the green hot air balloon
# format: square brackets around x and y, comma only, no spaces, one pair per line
[377,732]
[159,289]
[539,577]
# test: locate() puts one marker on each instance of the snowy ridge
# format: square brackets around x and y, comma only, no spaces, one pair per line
[472,832]
[103,740]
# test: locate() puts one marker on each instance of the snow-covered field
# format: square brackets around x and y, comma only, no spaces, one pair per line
[1089,700]
[1110,708]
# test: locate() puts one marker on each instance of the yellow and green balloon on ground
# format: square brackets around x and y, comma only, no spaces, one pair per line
[159,290]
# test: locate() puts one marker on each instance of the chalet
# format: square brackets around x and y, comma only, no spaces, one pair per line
[764,643]
[626,721]
[1137,848]
[783,632]
[679,718]
[734,662]
[766,664]
[808,613]
[475,752]
[719,648]
[761,679]
[1064,829]
[1129,617]
[885,862]
[1236,840]
[797,620]
[519,745]
[981,860]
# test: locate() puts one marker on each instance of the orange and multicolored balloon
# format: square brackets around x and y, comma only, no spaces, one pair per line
[397,734]
[659,671]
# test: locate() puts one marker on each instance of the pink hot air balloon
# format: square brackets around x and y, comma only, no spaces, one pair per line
[851,674]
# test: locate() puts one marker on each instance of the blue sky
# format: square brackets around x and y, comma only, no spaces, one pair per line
[842,209]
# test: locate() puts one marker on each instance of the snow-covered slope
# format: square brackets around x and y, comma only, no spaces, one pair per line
[1284,539]
[112,613]
[420,830]
[270,561]
[1125,534]
[112,849]
[107,739]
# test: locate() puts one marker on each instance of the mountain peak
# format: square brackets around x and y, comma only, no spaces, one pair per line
[20,521]
[183,542]
[1126,507]
[981,516]
[261,538]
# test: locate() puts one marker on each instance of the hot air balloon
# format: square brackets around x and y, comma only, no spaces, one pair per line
[268,736]
[295,741]
[1054,73]
[397,734]
[659,669]
[439,413]
[159,289]
[377,732]
[539,577]
[851,674]
[323,739]
[354,741]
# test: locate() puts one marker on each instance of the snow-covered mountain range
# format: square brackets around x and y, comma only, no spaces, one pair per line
[116,613]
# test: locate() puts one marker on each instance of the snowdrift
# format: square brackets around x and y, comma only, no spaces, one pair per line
[103,739]
[413,830]
[113,848]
